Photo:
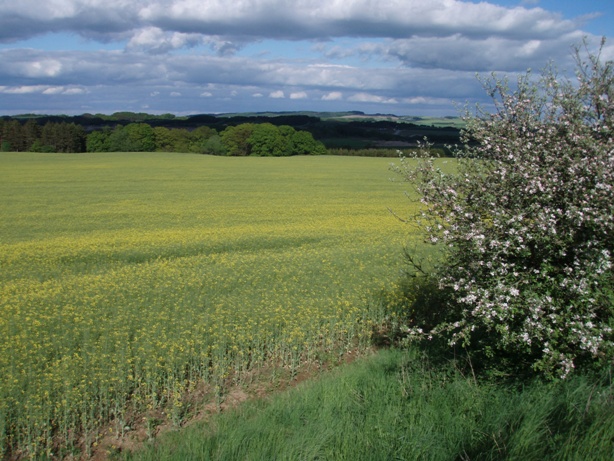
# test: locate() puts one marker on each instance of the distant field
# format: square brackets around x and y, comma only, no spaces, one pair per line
[449,121]
[129,280]
[455,122]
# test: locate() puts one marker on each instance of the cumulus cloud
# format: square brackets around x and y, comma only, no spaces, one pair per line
[53,90]
[257,19]
[457,52]
[148,75]
[40,68]
[24,89]
[307,19]
[424,100]
[43,89]
[75,91]
[333,96]
[103,19]
[387,52]
[156,41]
[371,98]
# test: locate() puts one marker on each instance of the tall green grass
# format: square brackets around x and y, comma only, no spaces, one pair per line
[398,405]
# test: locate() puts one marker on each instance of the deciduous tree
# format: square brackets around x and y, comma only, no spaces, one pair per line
[526,225]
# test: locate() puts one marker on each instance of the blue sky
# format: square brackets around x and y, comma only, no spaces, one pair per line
[407,57]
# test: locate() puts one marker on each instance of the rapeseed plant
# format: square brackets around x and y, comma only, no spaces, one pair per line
[123,301]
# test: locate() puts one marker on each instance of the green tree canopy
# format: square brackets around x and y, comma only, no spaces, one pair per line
[235,139]
[267,140]
[303,143]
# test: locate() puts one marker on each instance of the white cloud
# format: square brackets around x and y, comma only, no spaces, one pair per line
[42,89]
[26,89]
[317,18]
[425,100]
[333,96]
[157,41]
[54,90]
[371,98]
[75,91]
[42,68]
[125,77]
[389,52]
[172,22]
[463,53]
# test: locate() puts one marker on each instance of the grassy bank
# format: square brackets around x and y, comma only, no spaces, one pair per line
[397,405]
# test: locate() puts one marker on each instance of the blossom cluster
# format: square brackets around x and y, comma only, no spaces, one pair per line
[527,221]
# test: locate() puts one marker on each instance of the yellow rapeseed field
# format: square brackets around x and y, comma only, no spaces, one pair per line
[128,279]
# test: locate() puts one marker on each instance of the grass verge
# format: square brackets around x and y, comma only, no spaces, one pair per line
[398,404]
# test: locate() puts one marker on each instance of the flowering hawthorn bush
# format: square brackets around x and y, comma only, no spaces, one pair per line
[526,223]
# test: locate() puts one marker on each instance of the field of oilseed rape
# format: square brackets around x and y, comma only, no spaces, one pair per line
[128,281]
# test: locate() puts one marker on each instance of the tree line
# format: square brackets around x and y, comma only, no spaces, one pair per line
[258,139]
[52,137]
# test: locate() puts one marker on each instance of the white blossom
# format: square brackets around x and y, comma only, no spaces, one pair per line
[527,221]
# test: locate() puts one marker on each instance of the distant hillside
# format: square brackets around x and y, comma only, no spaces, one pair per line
[349,130]
[447,121]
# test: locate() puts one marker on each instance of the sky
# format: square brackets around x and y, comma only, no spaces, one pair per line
[403,57]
